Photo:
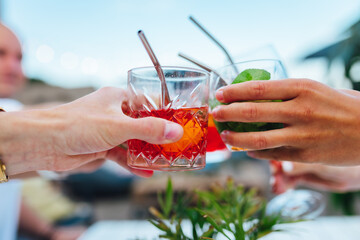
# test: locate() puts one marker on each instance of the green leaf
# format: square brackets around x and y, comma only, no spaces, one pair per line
[160,225]
[168,198]
[156,213]
[210,220]
[161,201]
[220,210]
[252,74]
[208,234]
[222,214]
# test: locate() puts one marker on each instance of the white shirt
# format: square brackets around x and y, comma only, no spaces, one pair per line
[10,197]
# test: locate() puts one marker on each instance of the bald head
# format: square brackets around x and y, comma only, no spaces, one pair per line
[11,75]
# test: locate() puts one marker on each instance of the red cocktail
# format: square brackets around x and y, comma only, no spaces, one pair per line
[189,151]
[216,150]
[188,90]
[214,140]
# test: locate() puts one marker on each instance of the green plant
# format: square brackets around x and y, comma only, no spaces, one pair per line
[230,210]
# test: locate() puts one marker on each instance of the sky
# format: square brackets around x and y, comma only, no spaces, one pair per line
[94,43]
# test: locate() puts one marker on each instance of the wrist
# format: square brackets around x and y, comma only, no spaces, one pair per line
[26,138]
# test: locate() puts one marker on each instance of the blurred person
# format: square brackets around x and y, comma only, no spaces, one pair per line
[11,74]
[11,81]
[321,124]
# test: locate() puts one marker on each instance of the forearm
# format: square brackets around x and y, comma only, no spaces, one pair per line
[26,139]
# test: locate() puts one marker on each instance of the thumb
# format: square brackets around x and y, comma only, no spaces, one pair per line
[154,130]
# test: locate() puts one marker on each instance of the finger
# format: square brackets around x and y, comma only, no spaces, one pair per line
[295,168]
[89,167]
[284,89]
[318,183]
[153,130]
[277,154]
[332,173]
[351,92]
[119,155]
[252,112]
[257,140]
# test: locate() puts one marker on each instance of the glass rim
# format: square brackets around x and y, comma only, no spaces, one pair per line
[203,72]
[248,61]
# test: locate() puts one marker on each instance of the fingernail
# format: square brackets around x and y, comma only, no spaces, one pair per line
[287,166]
[224,135]
[215,111]
[220,95]
[251,154]
[173,131]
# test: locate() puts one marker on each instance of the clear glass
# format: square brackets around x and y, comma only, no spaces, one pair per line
[228,74]
[189,93]
[293,204]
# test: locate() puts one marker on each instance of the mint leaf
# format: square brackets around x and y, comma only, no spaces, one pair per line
[252,74]
[247,75]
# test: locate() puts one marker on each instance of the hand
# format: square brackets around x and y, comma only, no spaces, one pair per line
[322,125]
[78,133]
[321,177]
[68,233]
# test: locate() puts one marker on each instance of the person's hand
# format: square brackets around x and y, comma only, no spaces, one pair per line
[68,233]
[321,124]
[85,131]
[320,177]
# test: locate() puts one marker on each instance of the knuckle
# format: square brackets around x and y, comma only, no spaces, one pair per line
[147,128]
[258,89]
[155,127]
[259,142]
[307,114]
[306,156]
[112,91]
[250,112]
[105,90]
[304,113]
[306,86]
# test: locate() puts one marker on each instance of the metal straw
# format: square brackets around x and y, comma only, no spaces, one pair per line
[196,62]
[215,41]
[203,66]
[165,98]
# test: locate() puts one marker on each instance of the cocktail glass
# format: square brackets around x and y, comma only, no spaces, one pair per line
[293,204]
[189,94]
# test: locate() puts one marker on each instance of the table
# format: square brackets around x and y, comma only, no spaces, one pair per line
[329,228]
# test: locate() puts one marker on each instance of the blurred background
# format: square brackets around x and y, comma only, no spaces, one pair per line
[94,43]
[71,48]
